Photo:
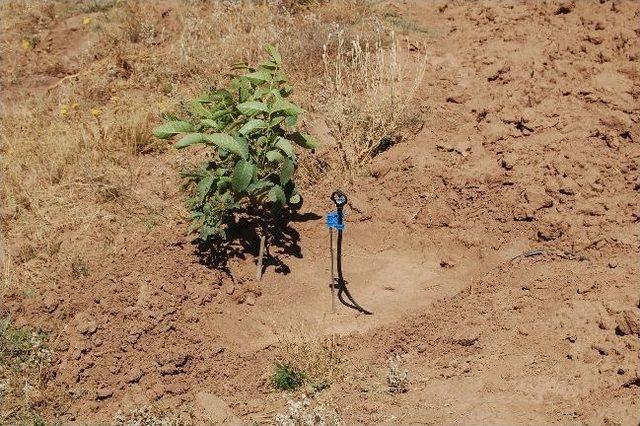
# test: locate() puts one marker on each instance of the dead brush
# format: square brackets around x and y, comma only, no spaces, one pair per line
[371,95]
[308,412]
[397,375]
[24,357]
[319,360]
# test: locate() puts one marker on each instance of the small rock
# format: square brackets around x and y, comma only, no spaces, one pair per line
[458,98]
[250,299]
[508,161]
[572,338]
[157,391]
[229,288]
[585,287]
[422,348]
[50,302]
[628,322]
[466,339]
[447,262]
[537,198]
[565,7]
[85,324]
[104,393]
[134,375]
[613,264]
[460,144]
[605,322]
[379,169]
[177,388]
[600,348]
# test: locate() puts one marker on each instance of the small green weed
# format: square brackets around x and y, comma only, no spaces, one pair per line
[288,378]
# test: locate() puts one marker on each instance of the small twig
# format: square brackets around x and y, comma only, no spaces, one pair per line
[59,82]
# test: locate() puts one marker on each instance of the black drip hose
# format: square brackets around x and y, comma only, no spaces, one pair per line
[342,287]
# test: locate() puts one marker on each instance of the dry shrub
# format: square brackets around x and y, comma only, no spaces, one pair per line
[370,95]
[24,357]
[148,416]
[318,358]
[308,412]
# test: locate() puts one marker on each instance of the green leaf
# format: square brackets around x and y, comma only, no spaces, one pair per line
[286,90]
[274,156]
[199,110]
[243,145]
[291,121]
[304,140]
[203,188]
[252,108]
[295,199]
[195,224]
[191,139]
[286,107]
[240,66]
[276,195]
[276,120]
[223,183]
[259,76]
[242,174]
[270,65]
[285,146]
[251,126]
[257,187]
[171,128]
[226,142]
[286,172]
[207,122]
[273,52]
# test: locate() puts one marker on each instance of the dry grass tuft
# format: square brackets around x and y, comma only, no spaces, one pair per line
[371,95]
[24,356]
[308,412]
[318,358]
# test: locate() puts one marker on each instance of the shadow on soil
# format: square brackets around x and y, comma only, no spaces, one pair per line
[243,238]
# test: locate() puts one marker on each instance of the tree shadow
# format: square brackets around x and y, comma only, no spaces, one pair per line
[243,232]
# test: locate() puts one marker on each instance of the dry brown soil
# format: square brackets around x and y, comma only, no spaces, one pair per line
[531,142]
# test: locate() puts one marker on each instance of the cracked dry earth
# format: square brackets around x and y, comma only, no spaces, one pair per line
[498,250]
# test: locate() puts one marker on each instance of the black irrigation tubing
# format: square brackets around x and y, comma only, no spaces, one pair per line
[340,199]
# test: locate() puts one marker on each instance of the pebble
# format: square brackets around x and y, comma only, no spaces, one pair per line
[134,375]
[250,300]
[229,289]
[86,325]
[50,303]
[104,393]
[628,322]
[466,339]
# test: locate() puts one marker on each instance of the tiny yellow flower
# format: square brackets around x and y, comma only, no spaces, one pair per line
[26,44]
[96,112]
[75,105]
[86,21]
[115,99]
[64,109]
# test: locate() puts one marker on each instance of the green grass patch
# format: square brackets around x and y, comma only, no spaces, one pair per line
[288,378]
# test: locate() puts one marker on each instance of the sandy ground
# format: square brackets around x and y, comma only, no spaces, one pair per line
[498,250]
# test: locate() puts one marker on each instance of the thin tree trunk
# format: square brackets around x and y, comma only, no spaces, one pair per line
[260,256]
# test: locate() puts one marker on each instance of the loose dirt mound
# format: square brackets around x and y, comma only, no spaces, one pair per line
[497,250]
